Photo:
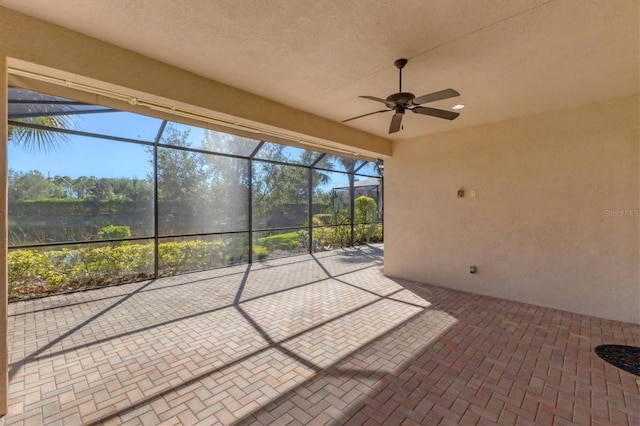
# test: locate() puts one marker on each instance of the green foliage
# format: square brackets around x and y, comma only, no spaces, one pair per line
[364,233]
[29,186]
[321,219]
[33,272]
[181,174]
[185,256]
[276,186]
[331,237]
[114,232]
[287,241]
[296,242]
[378,236]
[40,221]
[366,209]
[194,187]
[41,114]
[260,252]
[194,190]
[122,262]
[37,139]
[33,185]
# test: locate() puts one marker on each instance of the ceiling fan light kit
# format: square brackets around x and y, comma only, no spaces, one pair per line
[403,101]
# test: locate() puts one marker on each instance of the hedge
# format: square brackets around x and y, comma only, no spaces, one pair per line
[35,272]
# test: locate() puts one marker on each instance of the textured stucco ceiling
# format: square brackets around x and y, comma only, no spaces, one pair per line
[507,58]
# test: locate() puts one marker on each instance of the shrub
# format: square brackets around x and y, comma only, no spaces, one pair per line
[366,209]
[170,255]
[378,236]
[195,255]
[331,237]
[260,252]
[321,219]
[112,264]
[33,272]
[30,270]
[114,232]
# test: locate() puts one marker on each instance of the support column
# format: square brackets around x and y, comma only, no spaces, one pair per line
[310,207]
[4,284]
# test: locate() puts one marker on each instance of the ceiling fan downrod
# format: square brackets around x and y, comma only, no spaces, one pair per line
[400,63]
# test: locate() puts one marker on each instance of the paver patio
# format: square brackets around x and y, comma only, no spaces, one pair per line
[310,339]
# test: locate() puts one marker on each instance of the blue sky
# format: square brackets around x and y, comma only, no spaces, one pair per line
[87,156]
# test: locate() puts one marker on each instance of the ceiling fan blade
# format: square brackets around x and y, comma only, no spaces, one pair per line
[435,96]
[364,115]
[396,121]
[384,101]
[434,112]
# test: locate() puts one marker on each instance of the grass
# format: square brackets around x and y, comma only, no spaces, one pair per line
[286,241]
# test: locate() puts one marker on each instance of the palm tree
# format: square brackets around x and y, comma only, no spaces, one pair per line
[37,139]
[318,177]
[349,165]
[32,114]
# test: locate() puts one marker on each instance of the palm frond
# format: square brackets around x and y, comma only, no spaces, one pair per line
[38,139]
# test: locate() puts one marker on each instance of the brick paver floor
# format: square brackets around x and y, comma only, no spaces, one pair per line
[310,340]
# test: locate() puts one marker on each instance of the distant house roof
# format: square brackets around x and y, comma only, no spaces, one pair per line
[362,183]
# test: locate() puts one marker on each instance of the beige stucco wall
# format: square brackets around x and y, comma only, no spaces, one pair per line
[543,227]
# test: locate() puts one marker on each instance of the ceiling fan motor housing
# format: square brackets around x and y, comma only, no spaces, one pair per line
[403,98]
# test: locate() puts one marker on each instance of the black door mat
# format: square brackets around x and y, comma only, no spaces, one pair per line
[626,358]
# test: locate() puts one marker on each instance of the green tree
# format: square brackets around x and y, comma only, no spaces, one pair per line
[182,184]
[228,177]
[101,191]
[31,185]
[180,173]
[81,186]
[281,192]
[277,189]
[63,187]
[132,189]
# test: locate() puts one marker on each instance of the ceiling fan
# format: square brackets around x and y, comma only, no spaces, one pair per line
[402,101]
